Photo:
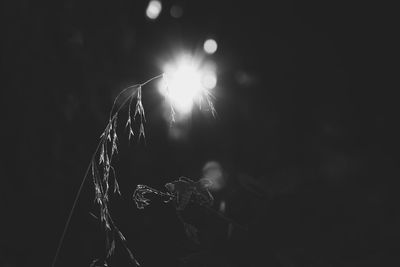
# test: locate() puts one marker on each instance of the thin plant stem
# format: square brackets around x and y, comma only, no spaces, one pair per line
[112,117]
[152,79]
[73,206]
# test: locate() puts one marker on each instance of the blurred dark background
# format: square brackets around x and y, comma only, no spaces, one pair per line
[306,131]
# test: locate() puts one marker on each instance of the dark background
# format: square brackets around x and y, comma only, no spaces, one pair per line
[306,111]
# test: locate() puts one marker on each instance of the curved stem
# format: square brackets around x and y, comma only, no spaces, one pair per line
[152,79]
[104,138]
[73,205]
[116,98]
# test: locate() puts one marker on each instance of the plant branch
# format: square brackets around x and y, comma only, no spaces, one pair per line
[112,116]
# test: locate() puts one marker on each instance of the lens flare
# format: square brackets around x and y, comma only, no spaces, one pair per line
[184,85]
[214,172]
[209,80]
[153,10]
[176,11]
[210,46]
[186,81]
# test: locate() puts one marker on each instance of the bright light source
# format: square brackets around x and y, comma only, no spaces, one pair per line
[185,82]
[209,80]
[153,9]
[214,172]
[210,46]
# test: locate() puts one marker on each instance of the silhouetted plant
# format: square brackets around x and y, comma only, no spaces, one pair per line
[104,174]
[181,192]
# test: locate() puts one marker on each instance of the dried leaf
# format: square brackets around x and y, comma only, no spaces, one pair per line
[114,144]
[101,154]
[131,134]
[93,173]
[128,122]
[121,236]
[141,131]
[139,110]
[111,249]
[116,187]
[115,124]
[107,162]
[132,257]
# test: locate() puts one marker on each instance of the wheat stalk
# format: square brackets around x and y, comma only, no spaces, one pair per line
[102,171]
[100,166]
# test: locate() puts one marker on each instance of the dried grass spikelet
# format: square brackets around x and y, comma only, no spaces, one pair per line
[103,173]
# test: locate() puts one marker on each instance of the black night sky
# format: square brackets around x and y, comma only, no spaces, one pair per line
[306,132]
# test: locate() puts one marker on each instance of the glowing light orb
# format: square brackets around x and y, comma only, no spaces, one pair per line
[210,46]
[214,172]
[185,82]
[176,11]
[209,80]
[153,10]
